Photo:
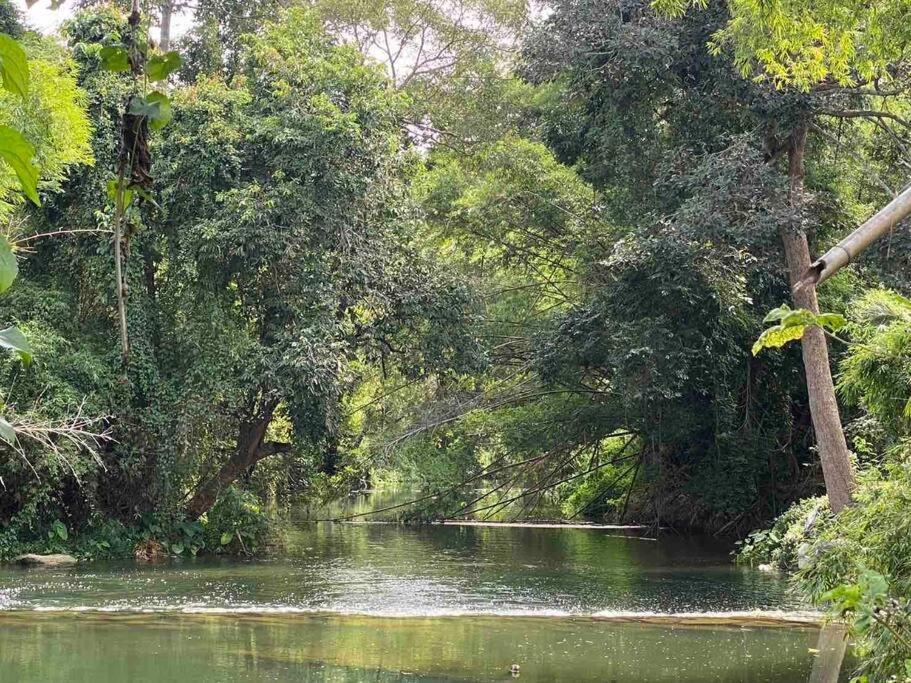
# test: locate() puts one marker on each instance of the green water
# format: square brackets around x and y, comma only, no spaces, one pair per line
[106,648]
[379,602]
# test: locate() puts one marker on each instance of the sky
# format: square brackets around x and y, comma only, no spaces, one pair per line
[46,20]
[42,17]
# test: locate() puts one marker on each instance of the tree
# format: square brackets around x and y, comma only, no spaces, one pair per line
[214,45]
[802,44]
[160,11]
[292,233]
[810,47]
[704,89]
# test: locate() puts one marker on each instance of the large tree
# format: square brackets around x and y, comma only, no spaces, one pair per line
[862,51]
[645,88]
[294,230]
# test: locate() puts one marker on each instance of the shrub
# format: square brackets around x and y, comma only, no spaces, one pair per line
[858,563]
[235,524]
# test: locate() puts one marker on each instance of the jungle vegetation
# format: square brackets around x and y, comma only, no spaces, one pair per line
[501,253]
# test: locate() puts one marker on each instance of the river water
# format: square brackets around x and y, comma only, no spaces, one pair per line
[385,602]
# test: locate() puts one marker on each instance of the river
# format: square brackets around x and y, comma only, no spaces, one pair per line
[385,602]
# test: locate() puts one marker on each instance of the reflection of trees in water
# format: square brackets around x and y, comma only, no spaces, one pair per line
[300,648]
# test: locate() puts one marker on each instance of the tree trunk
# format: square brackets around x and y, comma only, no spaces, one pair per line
[830,437]
[250,449]
[329,463]
[119,277]
[164,36]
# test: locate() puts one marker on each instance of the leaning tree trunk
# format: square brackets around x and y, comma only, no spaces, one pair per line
[830,437]
[831,648]
[251,448]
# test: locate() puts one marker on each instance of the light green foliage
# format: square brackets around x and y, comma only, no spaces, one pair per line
[510,201]
[803,43]
[56,108]
[791,325]
[44,133]
[877,373]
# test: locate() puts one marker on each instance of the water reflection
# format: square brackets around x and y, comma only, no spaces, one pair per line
[432,570]
[299,615]
[106,648]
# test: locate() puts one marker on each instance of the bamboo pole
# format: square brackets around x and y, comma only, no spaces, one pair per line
[851,246]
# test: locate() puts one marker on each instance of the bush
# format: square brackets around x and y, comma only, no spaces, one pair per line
[858,563]
[782,545]
[235,524]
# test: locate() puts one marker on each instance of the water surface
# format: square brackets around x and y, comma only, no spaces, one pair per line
[109,648]
[386,602]
[380,569]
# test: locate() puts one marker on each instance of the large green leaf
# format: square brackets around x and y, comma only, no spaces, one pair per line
[159,67]
[12,338]
[777,336]
[13,66]
[9,269]
[115,58]
[793,323]
[18,153]
[7,433]
[114,189]
[156,106]
[164,109]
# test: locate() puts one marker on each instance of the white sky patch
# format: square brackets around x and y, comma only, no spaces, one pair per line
[46,20]
[42,17]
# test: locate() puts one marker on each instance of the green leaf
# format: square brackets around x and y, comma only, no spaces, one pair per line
[14,66]
[159,67]
[7,433]
[9,268]
[777,336]
[59,529]
[114,189]
[831,321]
[226,538]
[164,115]
[12,338]
[776,314]
[115,58]
[793,323]
[18,153]
[156,107]
[177,548]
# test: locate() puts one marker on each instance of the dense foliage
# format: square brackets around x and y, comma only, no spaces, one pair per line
[450,246]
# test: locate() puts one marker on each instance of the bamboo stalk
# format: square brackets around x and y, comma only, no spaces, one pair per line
[851,246]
